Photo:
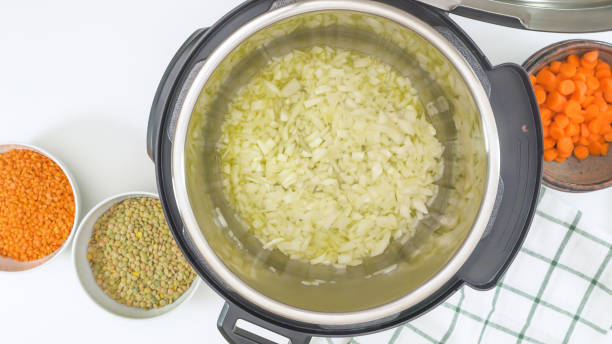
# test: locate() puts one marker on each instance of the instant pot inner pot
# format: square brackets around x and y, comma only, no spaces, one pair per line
[407,263]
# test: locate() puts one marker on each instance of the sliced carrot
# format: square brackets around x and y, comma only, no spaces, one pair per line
[555,101]
[549,143]
[567,87]
[572,108]
[594,148]
[594,127]
[608,137]
[579,77]
[594,137]
[604,148]
[591,56]
[592,82]
[540,94]
[602,65]
[587,64]
[591,112]
[567,69]
[603,73]
[600,103]
[532,79]
[556,132]
[583,141]
[562,121]
[588,100]
[565,145]
[585,71]
[572,129]
[545,77]
[555,66]
[545,131]
[550,154]
[581,152]
[584,130]
[573,60]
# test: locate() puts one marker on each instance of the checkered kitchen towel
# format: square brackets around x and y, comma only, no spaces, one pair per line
[558,290]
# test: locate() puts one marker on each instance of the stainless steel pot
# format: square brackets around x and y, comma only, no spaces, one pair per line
[477,221]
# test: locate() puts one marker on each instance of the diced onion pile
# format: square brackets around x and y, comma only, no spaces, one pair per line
[326,154]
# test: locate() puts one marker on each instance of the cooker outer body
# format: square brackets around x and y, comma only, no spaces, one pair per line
[520,141]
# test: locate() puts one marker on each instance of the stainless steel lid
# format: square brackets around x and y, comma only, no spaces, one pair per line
[540,15]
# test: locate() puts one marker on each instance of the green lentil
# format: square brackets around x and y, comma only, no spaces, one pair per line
[134,258]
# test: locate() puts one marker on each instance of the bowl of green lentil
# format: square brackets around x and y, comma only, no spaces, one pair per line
[126,258]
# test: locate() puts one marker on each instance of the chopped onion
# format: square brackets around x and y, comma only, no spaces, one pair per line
[327,155]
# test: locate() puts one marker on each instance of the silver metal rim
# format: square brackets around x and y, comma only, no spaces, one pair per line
[347,318]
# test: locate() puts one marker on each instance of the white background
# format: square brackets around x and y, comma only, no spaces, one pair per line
[77,78]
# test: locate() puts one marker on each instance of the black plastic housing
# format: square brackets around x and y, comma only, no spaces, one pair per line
[520,135]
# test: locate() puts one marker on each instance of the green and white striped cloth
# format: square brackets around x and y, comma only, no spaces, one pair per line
[558,290]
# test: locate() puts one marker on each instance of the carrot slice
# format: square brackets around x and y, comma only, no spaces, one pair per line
[591,112]
[550,154]
[555,66]
[585,71]
[584,130]
[583,141]
[555,101]
[587,64]
[572,129]
[579,77]
[565,145]
[603,73]
[608,137]
[604,148]
[562,121]
[540,94]
[581,152]
[592,82]
[594,148]
[602,65]
[594,127]
[545,77]
[573,60]
[591,56]
[556,132]
[572,108]
[600,103]
[567,87]
[567,69]
[549,143]
[532,79]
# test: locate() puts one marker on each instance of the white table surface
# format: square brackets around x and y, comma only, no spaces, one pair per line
[77,78]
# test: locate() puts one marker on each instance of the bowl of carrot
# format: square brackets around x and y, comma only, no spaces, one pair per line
[572,82]
[39,207]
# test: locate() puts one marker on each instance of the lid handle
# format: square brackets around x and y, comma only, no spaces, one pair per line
[520,140]
[229,324]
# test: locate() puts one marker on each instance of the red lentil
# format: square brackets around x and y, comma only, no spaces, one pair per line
[36,205]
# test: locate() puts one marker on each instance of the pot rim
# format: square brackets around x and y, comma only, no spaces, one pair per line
[436,282]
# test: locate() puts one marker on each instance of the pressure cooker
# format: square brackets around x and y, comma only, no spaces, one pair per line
[486,117]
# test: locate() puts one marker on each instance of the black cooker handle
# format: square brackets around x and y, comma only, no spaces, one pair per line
[521,146]
[236,335]
[167,86]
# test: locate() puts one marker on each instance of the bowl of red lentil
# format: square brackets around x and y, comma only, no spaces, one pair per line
[39,207]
